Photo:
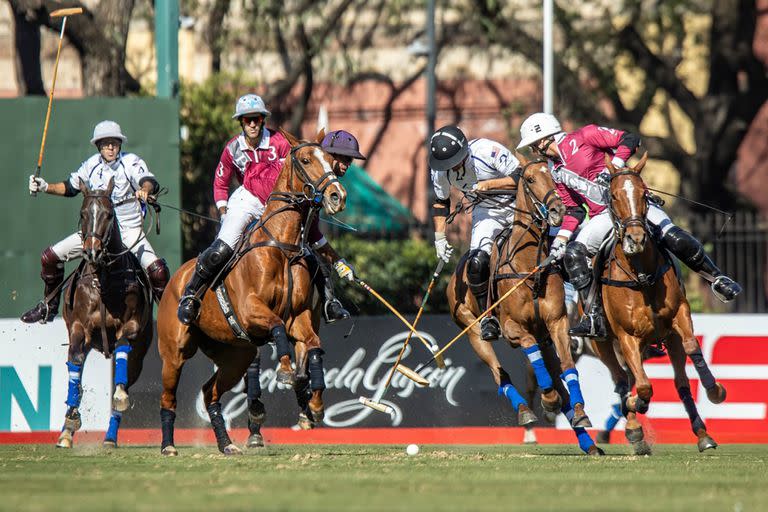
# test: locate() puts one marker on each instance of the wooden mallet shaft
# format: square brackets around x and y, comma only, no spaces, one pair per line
[69,11]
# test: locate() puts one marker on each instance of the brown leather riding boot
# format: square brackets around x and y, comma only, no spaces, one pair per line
[158,277]
[53,276]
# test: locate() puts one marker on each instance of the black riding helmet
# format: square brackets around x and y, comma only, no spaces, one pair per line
[447,148]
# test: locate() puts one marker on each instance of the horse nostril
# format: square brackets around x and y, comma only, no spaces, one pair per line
[335,198]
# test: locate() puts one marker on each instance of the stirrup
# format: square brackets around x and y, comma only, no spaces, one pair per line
[730,288]
[588,327]
[189,309]
[333,311]
[490,330]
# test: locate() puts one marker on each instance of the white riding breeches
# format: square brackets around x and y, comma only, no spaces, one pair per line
[487,223]
[72,247]
[242,209]
[594,231]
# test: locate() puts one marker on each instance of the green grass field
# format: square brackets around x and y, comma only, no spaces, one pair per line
[499,478]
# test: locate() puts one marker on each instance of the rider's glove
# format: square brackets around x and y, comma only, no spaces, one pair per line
[604,178]
[442,247]
[344,270]
[37,184]
[557,251]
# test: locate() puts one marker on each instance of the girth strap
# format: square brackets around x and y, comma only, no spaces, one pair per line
[229,312]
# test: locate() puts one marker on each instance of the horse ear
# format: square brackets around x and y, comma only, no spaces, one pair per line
[609,164]
[84,187]
[111,186]
[293,141]
[521,157]
[641,163]
[320,136]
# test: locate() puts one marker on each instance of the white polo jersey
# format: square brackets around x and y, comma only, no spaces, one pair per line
[488,160]
[128,171]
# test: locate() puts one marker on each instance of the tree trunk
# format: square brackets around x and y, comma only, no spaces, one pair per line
[27,41]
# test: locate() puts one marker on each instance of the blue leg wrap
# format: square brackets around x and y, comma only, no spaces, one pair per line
[316,370]
[509,391]
[705,375]
[582,436]
[121,364]
[539,369]
[571,378]
[73,390]
[614,418]
[585,441]
[114,425]
[281,341]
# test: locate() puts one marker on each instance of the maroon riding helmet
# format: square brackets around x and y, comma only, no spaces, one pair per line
[342,143]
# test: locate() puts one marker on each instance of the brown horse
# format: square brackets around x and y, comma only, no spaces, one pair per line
[535,311]
[644,302]
[271,294]
[108,306]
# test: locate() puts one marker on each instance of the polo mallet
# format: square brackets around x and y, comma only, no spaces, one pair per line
[59,13]
[509,292]
[403,369]
[395,311]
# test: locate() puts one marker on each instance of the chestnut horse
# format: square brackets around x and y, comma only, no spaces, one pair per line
[108,306]
[535,311]
[271,294]
[644,303]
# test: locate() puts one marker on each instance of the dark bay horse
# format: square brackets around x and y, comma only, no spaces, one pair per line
[645,303]
[535,311]
[108,306]
[271,294]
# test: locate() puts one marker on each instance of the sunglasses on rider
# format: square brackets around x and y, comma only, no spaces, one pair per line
[115,143]
[248,120]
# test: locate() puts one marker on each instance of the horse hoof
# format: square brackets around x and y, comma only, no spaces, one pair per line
[73,423]
[120,400]
[552,405]
[286,378]
[65,440]
[716,394]
[641,448]
[255,441]
[231,449]
[526,417]
[317,415]
[109,444]
[705,443]
[169,451]
[603,437]
[529,437]
[595,451]
[305,423]
[581,420]
[634,435]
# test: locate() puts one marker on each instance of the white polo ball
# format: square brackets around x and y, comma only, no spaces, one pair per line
[412,449]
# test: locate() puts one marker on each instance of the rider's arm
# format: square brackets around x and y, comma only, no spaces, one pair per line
[221,180]
[141,177]
[622,144]
[574,211]
[506,183]
[442,205]
[58,189]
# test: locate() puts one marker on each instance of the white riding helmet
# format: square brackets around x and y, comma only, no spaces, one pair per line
[536,127]
[250,104]
[107,130]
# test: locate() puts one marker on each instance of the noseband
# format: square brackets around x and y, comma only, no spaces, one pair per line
[313,189]
[621,225]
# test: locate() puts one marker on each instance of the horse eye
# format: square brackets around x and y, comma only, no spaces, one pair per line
[305,160]
[530,179]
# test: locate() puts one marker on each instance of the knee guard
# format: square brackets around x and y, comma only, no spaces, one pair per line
[52,271]
[478,272]
[685,247]
[158,276]
[213,259]
[576,260]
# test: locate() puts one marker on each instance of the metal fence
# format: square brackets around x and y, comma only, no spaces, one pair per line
[740,251]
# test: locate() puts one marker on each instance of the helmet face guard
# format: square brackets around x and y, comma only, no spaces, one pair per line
[448,147]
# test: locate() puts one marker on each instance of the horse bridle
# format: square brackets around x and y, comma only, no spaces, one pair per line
[621,225]
[313,189]
[107,237]
[541,206]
